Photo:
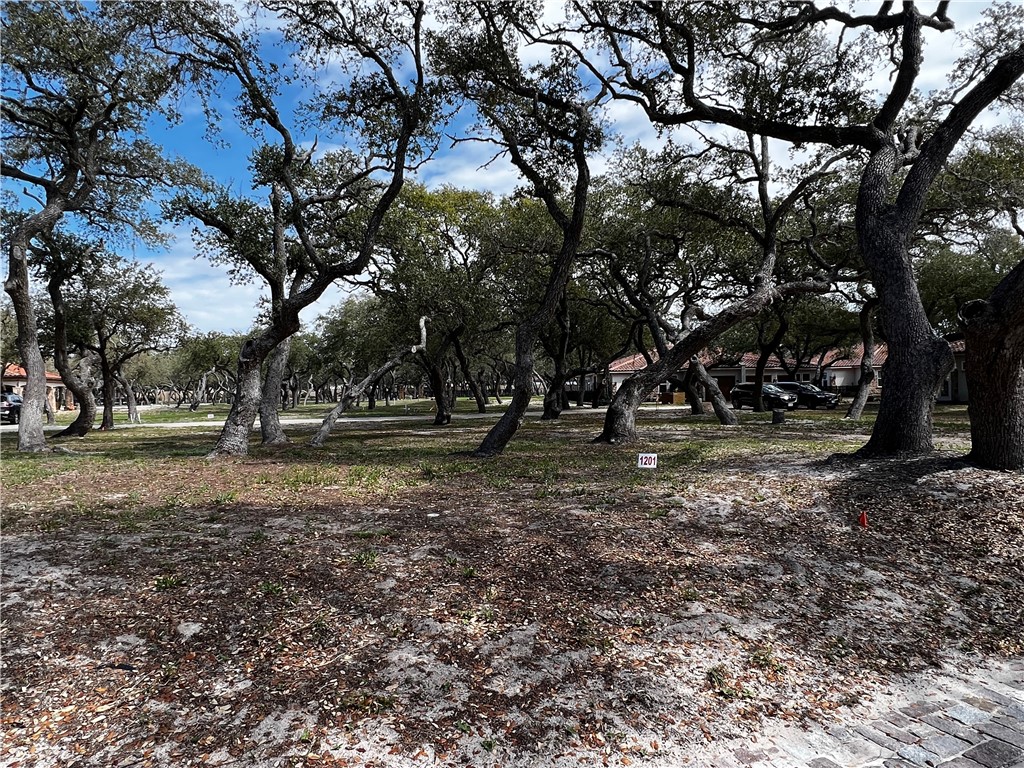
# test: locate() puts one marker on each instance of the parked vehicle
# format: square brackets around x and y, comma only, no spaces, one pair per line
[809,395]
[772,396]
[10,407]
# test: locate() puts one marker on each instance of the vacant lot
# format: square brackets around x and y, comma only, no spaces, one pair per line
[387,600]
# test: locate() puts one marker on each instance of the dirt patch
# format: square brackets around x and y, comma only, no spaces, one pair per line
[263,612]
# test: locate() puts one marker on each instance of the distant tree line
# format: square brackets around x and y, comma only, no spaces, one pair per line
[789,208]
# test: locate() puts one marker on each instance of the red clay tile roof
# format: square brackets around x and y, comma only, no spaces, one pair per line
[749,360]
[630,364]
[834,358]
[13,371]
[850,358]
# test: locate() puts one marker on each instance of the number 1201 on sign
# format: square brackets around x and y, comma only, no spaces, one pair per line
[647,460]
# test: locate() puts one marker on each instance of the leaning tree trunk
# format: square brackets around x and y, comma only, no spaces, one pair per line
[725,414]
[620,419]
[129,396]
[918,359]
[30,425]
[350,397]
[994,338]
[867,362]
[270,397]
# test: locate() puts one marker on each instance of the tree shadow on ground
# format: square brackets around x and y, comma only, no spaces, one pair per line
[553,614]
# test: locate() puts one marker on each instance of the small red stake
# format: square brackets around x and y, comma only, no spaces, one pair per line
[863,520]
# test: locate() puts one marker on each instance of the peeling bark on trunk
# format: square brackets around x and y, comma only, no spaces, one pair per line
[270,397]
[994,338]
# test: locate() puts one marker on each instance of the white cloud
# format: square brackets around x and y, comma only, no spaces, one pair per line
[208,299]
[463,166]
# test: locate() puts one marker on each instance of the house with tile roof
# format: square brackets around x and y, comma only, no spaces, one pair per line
[13,379]
[837,370]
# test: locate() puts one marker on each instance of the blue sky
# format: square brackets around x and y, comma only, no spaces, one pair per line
[211,303]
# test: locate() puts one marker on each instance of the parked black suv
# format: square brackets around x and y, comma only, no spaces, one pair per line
[773,397]
[10,407]
[809,395]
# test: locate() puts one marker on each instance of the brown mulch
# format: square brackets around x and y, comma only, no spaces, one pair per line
[251,613]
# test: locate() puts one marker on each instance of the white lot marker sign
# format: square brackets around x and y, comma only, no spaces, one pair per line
[647,461]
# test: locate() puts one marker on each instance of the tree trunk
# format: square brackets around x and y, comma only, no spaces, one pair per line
[620,421]
[725,414]
[767,350]
[349,397]
[234,437]
[529,330]
[200,392]
[867,362]
[81,382]
[497,385]
[467,374]
[691,386]
[620,418]
[994,338]
[918,359]
[481,383]
[51,417]
[129,395]
[270,396]
[30,425]
[437,388]
[107,421]
[554,395]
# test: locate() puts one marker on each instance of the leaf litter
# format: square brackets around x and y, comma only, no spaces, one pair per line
[553,617]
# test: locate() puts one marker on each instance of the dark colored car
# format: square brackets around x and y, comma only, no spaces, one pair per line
[10,407]
[809,395]
[773,397]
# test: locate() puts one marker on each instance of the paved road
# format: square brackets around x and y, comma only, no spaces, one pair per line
[949,719]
